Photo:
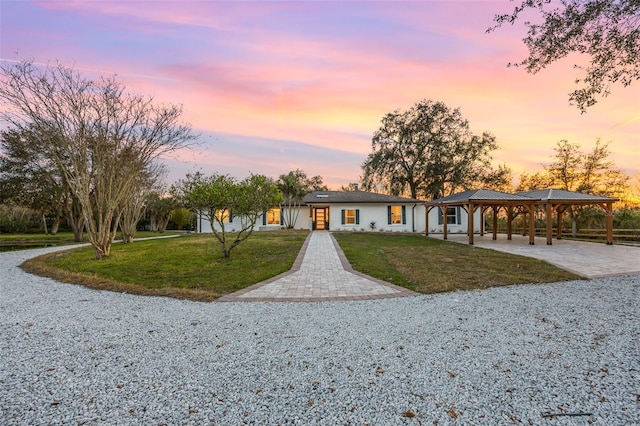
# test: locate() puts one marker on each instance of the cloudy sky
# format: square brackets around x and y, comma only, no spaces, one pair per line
[272,86]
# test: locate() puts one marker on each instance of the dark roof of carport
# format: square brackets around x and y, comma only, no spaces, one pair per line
[570,197]
[484,196]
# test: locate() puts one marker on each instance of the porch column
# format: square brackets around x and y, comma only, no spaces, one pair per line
[609,211]
[524,220]
[532,222]
[548,215]
[470,223]
[509,220]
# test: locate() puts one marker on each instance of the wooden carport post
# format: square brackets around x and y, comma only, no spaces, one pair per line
[609,210]
[495,210]
[559,211]
[443,210]
[509,220]
[532,229]
[549,217]
[426,221]
[470,222]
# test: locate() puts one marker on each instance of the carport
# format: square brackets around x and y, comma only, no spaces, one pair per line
[558,201]
[485,199]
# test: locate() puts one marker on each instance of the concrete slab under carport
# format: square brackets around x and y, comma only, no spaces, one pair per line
[590,260]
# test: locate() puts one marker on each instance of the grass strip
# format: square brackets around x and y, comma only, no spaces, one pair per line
[427,265]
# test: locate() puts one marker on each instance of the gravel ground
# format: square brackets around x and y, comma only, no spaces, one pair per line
[71,355]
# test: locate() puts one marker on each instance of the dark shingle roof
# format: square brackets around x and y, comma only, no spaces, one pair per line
[482,195]
[329,197]
[562,195]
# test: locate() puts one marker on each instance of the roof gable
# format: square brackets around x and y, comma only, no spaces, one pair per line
[354,197]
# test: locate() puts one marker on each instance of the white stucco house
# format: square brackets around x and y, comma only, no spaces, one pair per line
[339,211]
[356,211]
[363,211]
[457,220]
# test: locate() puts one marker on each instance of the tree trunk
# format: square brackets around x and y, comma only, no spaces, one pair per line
[574,223]
[55,225]
[78,233]
[102,250]
[44,223]
[75,218]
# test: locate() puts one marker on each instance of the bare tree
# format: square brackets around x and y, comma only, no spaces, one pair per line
[135,204]
[105,137]
[573,170]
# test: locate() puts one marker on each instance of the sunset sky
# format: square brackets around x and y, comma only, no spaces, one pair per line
[272,86]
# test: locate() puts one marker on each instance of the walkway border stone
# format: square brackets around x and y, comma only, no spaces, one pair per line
[239,296]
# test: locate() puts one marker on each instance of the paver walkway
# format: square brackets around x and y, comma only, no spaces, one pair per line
[590,260]
[320,273]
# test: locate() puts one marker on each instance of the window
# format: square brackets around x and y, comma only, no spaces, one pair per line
[272,217]
[396,215]
[453,216]
[351,217]
[223,215]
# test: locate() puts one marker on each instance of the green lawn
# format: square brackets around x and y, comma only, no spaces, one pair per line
[191,266]
[186,267]
[427,265]
[9,242]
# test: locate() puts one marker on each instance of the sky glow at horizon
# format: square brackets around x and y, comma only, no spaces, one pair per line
[275,86]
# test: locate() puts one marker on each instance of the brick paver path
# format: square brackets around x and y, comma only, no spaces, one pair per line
[320,273]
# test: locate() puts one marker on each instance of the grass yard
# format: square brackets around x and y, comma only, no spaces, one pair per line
[187,267]
[427,265]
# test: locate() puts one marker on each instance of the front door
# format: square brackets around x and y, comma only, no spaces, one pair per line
[321,218]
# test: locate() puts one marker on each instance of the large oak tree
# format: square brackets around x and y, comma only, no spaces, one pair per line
[607,32]
[104,136]
[429,151]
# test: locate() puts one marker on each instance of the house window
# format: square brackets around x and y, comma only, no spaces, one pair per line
[351,217]
[222,215]
[453,216]
[272,217]
[396,215]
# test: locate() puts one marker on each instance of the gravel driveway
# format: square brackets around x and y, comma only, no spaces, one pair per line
[514,355]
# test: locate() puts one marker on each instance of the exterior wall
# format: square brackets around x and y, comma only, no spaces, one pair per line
[436,228]
[204,226]
[303,220]
[368,213]
[414,215]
